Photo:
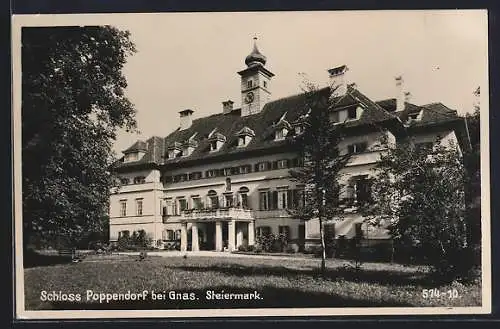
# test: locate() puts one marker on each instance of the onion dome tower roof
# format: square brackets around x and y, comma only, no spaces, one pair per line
[255,57]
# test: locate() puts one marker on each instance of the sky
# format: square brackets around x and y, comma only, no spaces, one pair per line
[191,60]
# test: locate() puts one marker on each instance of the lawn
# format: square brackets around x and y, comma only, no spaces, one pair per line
[280,282]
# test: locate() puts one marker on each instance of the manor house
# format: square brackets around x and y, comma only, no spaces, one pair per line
[218,182]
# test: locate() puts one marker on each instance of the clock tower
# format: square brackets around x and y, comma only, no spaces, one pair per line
[255,80]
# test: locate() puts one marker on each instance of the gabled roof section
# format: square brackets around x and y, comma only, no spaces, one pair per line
[430,113]
[137,147]
[217,136]
[245,131]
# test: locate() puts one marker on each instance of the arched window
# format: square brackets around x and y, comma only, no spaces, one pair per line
[213,199]
[243,197]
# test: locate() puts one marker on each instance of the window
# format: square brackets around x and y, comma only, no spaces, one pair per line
[285,230]
[194,175]
[249,84]
[265,84]
[168,235]
[279,134]
[213,145]
[245,169]
[297,198]
[359,190]
[264,200]
[183,205]
[334,117]
[213,199]
[282,201]
[299,129]
[228,198]
[262,166]
[357,148]
[177,234]
[125,181]
[351,114]
[123,234]
[123,208]
[263,230]
[210,173]
[243,140]
[282,164]
[196,201]
[169,208]
[243,196]
[139,180]
[131,157]
[138,207]
[226,171]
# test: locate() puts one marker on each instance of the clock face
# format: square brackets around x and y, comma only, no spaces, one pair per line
[249,97]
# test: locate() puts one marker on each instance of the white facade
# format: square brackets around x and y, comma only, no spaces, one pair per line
[219,201]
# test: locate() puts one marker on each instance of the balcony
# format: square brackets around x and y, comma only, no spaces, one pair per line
[219,214]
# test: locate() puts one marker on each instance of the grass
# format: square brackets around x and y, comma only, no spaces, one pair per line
[290,282]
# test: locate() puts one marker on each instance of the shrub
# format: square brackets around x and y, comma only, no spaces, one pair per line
[314,250]
[124,242]
[281,242]
[242,248]
[266,242]
[251,248]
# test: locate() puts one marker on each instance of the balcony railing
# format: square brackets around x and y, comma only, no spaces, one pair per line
[218,213]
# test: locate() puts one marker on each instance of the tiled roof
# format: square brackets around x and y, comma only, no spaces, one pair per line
[431,113]
[137,146]
[263,125]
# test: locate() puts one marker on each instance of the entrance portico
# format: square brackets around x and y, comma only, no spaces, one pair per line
[219,230]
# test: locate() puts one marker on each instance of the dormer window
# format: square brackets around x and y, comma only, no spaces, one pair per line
[415,116]
[130,157]
[280,134]
[281,130]
[344,115]
[351,114]
[135,152]
[213,146]
[189,146]
[216,141]
[249,84]
[245,135]
[175,150]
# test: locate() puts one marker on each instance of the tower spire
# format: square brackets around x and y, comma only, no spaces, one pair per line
[255,57]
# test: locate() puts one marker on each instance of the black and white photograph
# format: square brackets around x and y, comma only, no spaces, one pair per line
[239,164]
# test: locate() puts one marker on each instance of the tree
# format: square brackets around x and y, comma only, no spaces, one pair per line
[419,195]
[472,161]
[322,165]
[73,102]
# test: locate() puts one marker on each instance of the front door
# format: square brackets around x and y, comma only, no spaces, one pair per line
[210,237]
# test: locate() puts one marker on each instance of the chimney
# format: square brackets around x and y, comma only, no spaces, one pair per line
[227,106]
[338,80]
[407,96]
[400,97]
[186,119]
